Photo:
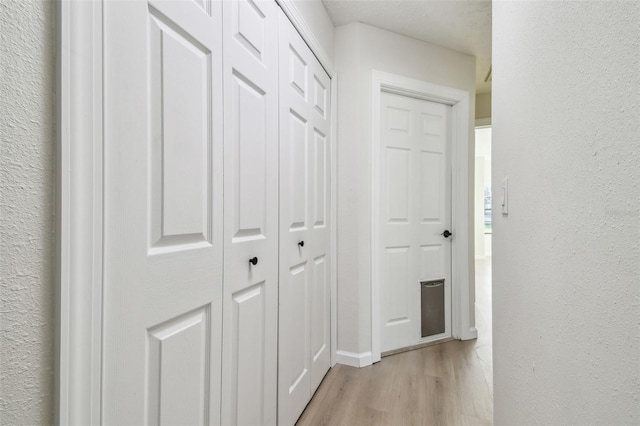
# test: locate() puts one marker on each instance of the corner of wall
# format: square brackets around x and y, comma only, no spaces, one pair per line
[348,132]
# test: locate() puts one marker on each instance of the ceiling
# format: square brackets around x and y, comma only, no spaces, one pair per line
[462,25]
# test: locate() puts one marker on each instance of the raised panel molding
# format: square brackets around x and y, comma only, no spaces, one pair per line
[250,27]
[320,97]
[397,267]
[178,369]
[432,124]
[431,258]
[298,172]
[320,195]
[205,5]
[299,293]
[431,185]
[248,122]
[399,120]
[297,72]
[319,297]
[397,176]
[180,73]
[248,355]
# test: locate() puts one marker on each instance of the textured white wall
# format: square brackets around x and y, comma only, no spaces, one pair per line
[27,49]
[359,49]
[566,273]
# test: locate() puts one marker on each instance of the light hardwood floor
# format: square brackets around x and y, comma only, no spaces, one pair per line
[446,384]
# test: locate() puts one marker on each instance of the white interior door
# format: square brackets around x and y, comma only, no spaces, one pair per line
[304,324]
[415,211]
[250,339]
[163,212]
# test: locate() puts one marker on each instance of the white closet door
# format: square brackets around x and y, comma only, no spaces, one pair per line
[163,212]
[304,343]
[250,339]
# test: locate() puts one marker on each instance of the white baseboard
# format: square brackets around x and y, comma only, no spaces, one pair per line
[354,359]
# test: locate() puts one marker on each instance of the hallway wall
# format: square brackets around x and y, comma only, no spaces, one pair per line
[566,271]
[27,79]
[359,49]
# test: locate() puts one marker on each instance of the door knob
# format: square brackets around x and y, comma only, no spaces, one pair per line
[253,261]
[446,233]
[301,243]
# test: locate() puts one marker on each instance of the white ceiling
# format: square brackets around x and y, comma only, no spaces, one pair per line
[462,25]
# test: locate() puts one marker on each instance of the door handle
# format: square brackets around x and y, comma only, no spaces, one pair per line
[253,261]
[446,233]
[300,243]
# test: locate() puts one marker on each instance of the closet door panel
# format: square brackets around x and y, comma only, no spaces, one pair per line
[304,343]
[297,145]
[249,350]
[320,321]
[319,232]
[163,212]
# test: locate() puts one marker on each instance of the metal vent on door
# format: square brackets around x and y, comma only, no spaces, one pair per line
[432,307]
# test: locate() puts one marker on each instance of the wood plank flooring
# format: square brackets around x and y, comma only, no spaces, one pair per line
[446,384]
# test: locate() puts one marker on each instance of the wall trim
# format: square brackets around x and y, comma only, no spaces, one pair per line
[462,311]
[79,213]
[353,359]
[333,187]
[289,8]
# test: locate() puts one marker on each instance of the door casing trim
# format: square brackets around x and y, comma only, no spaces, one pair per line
[79,220]
[79,205]
[462,307]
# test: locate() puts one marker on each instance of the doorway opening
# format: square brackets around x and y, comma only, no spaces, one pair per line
[462,308]
[483,193]
[483,231]
[415,211]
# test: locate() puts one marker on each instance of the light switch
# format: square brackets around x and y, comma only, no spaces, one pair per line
[504,203]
